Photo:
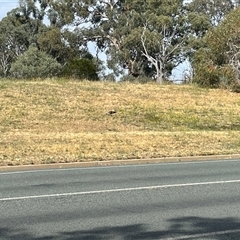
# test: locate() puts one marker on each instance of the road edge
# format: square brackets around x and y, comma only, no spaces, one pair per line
[118,162]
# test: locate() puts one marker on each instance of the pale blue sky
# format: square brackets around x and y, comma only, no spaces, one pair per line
[6,6]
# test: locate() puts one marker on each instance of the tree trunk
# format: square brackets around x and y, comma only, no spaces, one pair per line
[159,78]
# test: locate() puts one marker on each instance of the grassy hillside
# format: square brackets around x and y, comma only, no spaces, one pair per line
[66,121]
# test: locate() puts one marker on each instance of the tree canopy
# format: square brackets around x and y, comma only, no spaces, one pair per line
[140,38]
[218,62]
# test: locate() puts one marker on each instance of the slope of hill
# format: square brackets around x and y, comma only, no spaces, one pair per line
[67,121]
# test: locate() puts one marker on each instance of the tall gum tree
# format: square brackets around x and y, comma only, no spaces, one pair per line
[218,62]
[204,15]
[163,37]
[116,26]
[17,33]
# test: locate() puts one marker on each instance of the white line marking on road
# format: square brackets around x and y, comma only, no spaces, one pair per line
[117,190]
[201,235]
[119,166]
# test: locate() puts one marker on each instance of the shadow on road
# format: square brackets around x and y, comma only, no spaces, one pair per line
[179,228]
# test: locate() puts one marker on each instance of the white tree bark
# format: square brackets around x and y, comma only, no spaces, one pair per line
[160,60]
[234,59]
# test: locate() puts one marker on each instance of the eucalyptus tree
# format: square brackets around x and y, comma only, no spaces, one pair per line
[203,16]
[217,64]
[16,35]
[53,39]
[155,37]
[59,38]
[116,27]
[164,36]
[8,50]
[40,10]
[210,11]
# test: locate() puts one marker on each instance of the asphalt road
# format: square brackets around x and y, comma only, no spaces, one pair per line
[197,200]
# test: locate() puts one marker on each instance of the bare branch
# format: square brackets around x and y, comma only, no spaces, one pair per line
[145,53]
[111,4]
[114,41]
[234,58]
[165,51]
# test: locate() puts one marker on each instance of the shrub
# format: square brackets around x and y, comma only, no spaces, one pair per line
[34,64]
[83,68]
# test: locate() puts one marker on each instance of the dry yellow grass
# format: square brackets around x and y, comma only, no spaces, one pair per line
[67,121]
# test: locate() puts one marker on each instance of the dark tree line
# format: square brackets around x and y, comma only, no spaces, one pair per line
[141,39]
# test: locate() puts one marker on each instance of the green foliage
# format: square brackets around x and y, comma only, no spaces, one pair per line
[148,39]
[80,69]
[202,16]
[209,75]
[14,40]
[34,64]
[213,64]
[209,11]
[24,26]
[17,33]
[53,42]
[199,23]
[116,28]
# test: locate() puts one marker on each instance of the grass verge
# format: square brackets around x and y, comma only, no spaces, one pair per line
[67,121]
